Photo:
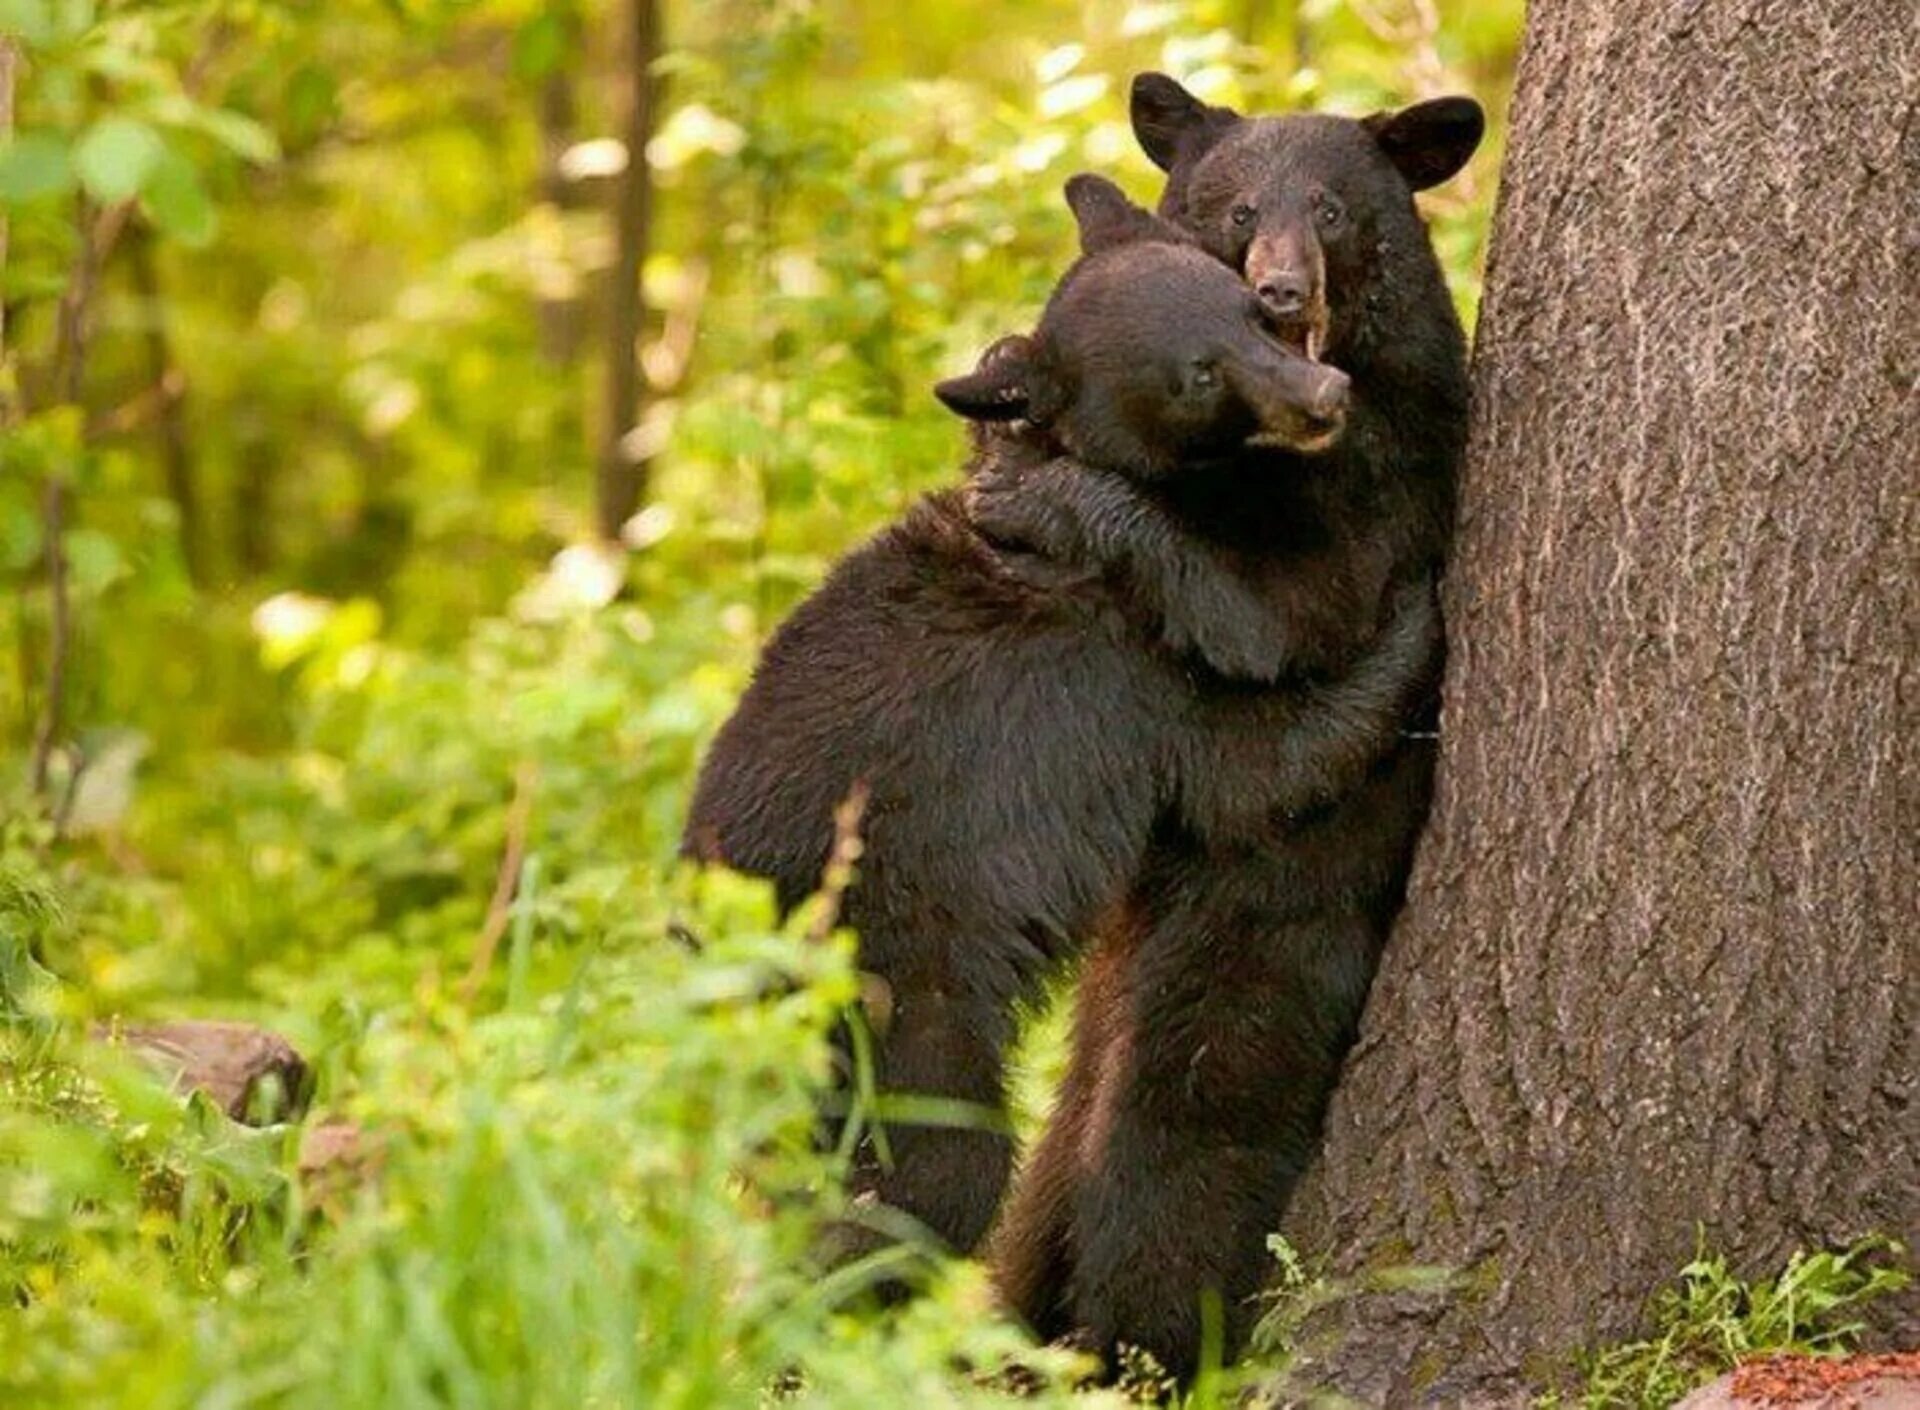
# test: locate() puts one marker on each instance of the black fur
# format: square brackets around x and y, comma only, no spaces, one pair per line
[1024,728]
[1227,988]
[1100,513]
[1154,365]
[1028,501]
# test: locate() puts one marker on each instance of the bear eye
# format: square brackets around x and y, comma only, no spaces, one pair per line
[1241,214]
[1330,212]
[1205,376]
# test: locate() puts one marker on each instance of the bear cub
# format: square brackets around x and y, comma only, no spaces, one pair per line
[1227,987]
[1021,720]
[1046,490]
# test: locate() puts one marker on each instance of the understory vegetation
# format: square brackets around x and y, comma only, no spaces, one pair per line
[1709,1321]
[325,709]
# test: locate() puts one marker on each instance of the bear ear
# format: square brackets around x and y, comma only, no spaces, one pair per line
[1107,218]
[1001,385]
[1171,123]
[1429,141]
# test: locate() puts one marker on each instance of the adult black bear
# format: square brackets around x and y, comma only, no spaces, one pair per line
[1021,722]
[1214,1015]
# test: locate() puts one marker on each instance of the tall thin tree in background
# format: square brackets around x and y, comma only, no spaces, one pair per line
[9,65]
[622,476]
[1656,979]
[166,397]
[560,313]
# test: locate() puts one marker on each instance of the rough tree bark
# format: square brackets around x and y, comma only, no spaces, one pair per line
[1658,966]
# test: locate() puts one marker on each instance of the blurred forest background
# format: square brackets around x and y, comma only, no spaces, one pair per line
[415,415]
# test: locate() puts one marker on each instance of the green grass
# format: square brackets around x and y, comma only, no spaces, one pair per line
[1710,1321]
[606,1193]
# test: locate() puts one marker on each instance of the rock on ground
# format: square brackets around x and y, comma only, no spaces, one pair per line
[252,1075]
[1827,1382]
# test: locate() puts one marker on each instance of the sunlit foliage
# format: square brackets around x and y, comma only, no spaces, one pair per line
[301,362]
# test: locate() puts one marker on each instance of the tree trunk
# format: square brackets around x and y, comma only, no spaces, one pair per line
[9,67]
[169,391]
[1657,971]
[253,507]
[559,312]
[622,476]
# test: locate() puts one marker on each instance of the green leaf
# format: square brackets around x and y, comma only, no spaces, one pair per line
[540,45]
[104,792]
[239,134]
[31,20]
[178,202]
[73,18]
[20,533]
[116,157]
[129,67]
[311,98]
[32,166]
[94,561]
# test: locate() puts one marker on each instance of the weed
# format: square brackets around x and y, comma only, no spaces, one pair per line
[1710,1321]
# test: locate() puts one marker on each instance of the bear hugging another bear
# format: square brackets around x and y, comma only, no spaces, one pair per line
[1154,687]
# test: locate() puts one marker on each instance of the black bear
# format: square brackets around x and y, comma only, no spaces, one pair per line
[1036,490]
[1214,1014]
[1021,721]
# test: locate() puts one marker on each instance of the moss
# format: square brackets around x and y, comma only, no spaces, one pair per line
[1427,1369]
[1554,1373]
[1481,1281]
[1389,1254]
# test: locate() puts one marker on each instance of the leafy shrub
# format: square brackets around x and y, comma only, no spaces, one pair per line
[602,1191]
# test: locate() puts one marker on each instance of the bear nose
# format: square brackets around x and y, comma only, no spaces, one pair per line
[1284,295]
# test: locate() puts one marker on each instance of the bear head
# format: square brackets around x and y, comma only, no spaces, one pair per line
[1315,211]
[1150,355]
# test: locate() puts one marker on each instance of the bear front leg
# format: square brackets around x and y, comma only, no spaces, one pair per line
[1350,724]
[1068,513]
[1253,756]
